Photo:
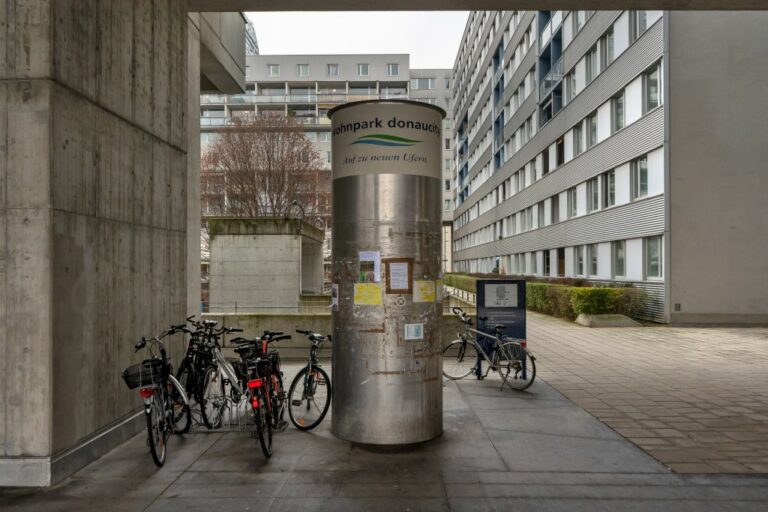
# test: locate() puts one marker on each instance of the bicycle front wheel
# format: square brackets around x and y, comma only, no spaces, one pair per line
[182,414]
[516,365]
[459,359]
[213,398]
[156,429]
[309,398]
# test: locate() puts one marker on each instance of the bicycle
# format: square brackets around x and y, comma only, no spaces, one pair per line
[508,356]
[265,383]
[196,361]
[315,386]
[166,406]
[218,373]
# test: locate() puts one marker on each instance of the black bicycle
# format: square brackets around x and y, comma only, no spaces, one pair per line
[310,394]
[166,406]
[260,371]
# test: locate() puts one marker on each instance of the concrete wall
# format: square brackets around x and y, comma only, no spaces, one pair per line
[717,245]
[94,195]
[93,166]
[254,324]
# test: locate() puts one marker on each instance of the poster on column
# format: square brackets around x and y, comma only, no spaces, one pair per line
[423,291]
[370,267]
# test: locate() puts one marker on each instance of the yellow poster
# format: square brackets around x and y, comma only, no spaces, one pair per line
[367,294]
[423,291]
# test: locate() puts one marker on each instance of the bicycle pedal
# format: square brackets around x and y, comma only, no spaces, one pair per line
[296,402]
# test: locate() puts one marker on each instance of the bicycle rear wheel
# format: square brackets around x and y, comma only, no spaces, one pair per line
[309,398]
[263,426]
[516,365]
[213,398]
[459,359]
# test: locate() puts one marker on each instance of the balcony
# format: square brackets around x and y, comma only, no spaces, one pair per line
[551,79]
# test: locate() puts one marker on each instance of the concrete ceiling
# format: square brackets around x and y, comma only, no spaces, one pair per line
[464,5]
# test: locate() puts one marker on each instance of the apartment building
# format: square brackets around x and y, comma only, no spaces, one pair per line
[306,87]
[574,156]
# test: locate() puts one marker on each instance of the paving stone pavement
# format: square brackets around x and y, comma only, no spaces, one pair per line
[501,451]
[693,398]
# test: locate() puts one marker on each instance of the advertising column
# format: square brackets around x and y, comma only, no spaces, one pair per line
[386,265]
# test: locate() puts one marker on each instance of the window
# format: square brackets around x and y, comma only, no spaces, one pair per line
[591,62]
[447,143]
[638,23]
[547,263]
[447,83]
[606,49]
[540,211]
[593,260]
[560,151]
[592,130]
[579,18]
[273,69]
[572,202]
[653,257]
[651,88]
[447,184]
[393,69]
[555,211]
[534,263]
[302,69]
[578,139]
[578,257]
[333,70]
[639,172]
[447,164]
[609,189]
[362,70]
[328,156]
[423,83]
[545,162]
[570,86]
[618,253]
[324,136]
[593,194]
[617,112]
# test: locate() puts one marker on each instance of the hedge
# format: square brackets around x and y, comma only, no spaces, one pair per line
[567,301]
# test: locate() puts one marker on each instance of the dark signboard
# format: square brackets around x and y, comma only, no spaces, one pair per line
[501,301]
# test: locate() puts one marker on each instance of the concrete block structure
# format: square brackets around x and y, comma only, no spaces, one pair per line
[99,165]
[263,265]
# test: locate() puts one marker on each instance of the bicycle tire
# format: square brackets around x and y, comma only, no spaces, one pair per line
[263,427]
[519,361]
[156,437]
[459,359]
[299,382]
[182,413]
[277,403]
[212,416]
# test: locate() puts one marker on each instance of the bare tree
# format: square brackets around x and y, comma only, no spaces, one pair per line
[259,166]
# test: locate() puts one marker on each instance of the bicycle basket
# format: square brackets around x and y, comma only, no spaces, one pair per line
[147,373]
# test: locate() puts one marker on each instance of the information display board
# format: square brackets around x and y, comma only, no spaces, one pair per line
[502,302]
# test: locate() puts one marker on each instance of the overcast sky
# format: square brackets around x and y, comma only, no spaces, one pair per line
[431,38]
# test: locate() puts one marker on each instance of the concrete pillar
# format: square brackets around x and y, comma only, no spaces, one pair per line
[95,184]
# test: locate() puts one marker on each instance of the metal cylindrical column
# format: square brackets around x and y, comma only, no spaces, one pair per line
[387,194]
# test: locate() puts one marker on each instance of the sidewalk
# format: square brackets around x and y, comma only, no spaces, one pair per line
[530,451]
[694,398]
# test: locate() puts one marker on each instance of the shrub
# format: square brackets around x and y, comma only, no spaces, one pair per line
[599,301]
[462,282]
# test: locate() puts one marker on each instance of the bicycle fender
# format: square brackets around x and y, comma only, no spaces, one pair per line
[179,388]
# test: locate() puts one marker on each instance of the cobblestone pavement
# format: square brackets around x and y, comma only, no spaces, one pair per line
[694,398]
